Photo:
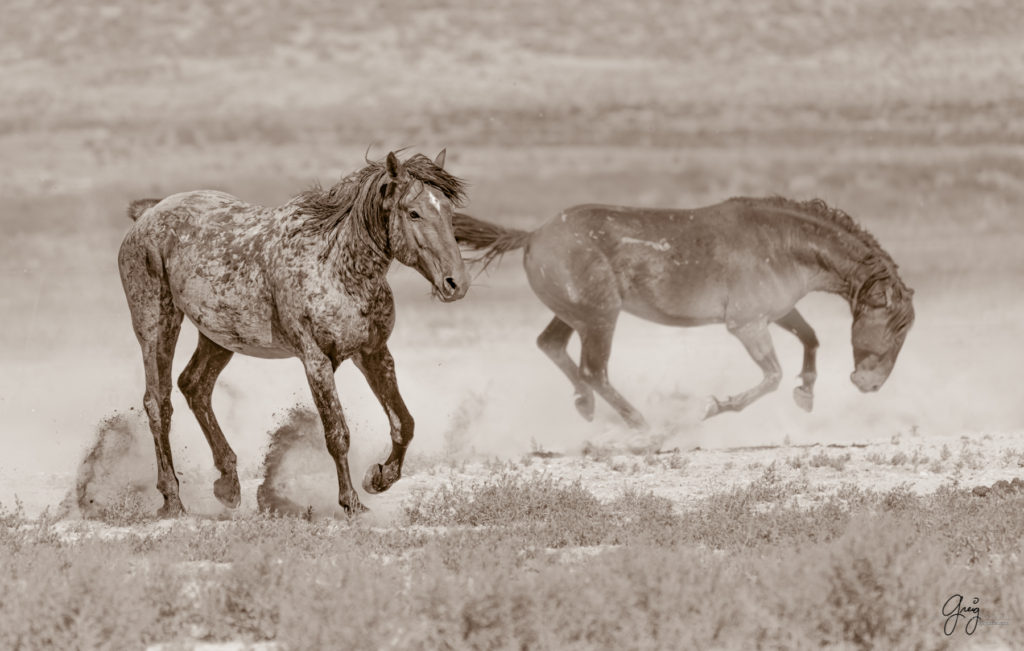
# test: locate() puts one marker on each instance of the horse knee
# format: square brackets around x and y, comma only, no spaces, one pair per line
[158,409]
[773,379]
[337,444]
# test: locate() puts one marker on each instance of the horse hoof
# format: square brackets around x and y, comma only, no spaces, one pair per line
[585,405]
[636,421]
[373,481]
[227,490]
[803,398]
[354,507]
[711,408]
[172,508]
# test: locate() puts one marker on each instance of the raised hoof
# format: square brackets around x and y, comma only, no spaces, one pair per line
[373,480]
[227,490]
[711,408]
[803,398]
[172,508]
[585,405]
[379,478]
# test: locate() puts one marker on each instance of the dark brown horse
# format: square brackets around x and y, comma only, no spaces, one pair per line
[306,279]
[744,262]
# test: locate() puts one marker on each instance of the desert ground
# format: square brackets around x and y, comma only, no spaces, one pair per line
[518,524]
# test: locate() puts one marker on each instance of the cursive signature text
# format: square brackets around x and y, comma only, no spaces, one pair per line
[954,609]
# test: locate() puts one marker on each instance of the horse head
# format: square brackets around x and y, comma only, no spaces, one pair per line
[419,197]
[883,313]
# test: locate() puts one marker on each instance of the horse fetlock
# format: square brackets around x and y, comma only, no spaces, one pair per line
[172,508]
[351,504]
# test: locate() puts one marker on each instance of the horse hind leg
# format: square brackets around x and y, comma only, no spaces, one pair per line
[758,342]
[553,342]
[157,323]
[595,350]
[196,382]
[794,322]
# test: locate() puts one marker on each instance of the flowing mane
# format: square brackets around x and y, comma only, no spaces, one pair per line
[881,269]
[356,196]
[818,208]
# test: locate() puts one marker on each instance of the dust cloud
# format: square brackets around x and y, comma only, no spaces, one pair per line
[117,465]
[482,392]
[296,455]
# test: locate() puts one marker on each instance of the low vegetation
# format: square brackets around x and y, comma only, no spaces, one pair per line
[527,560]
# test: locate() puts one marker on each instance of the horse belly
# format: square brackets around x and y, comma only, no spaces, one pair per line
[233,309]
[670,294]
[691,307]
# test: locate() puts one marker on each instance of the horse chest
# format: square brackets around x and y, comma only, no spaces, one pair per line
[342,318]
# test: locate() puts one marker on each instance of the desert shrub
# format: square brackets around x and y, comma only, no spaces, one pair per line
[86,596]
[504,500]
[822,459]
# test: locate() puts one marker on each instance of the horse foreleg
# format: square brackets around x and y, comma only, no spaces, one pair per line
[379,369]
[758,342]
[594,353]
[794,322]
[196,382]
[553,342]
[320,375]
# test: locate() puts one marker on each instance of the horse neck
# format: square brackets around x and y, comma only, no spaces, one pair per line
[840,264]
[356,256]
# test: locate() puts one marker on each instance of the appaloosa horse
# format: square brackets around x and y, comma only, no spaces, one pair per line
[744,262]
[306,279]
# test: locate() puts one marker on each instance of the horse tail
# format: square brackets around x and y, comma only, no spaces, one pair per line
[492,239]
[139,206]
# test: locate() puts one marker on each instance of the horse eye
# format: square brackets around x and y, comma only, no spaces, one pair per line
[414,215]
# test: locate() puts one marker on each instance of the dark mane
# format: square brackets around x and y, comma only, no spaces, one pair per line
[356,196]
[818,208]
[881,269]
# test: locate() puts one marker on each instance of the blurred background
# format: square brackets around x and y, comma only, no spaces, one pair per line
[909,116]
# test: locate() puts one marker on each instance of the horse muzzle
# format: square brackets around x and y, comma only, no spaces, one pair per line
[451,288]
[867,381]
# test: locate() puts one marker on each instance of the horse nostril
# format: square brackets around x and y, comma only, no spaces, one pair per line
[451,282]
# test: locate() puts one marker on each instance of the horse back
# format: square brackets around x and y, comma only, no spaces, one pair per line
[674,266]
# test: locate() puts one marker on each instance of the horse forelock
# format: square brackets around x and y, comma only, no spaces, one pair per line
[425,171]
[356,196]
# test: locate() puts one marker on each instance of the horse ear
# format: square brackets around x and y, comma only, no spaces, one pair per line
[888,296]
[393,166]
[439,161]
